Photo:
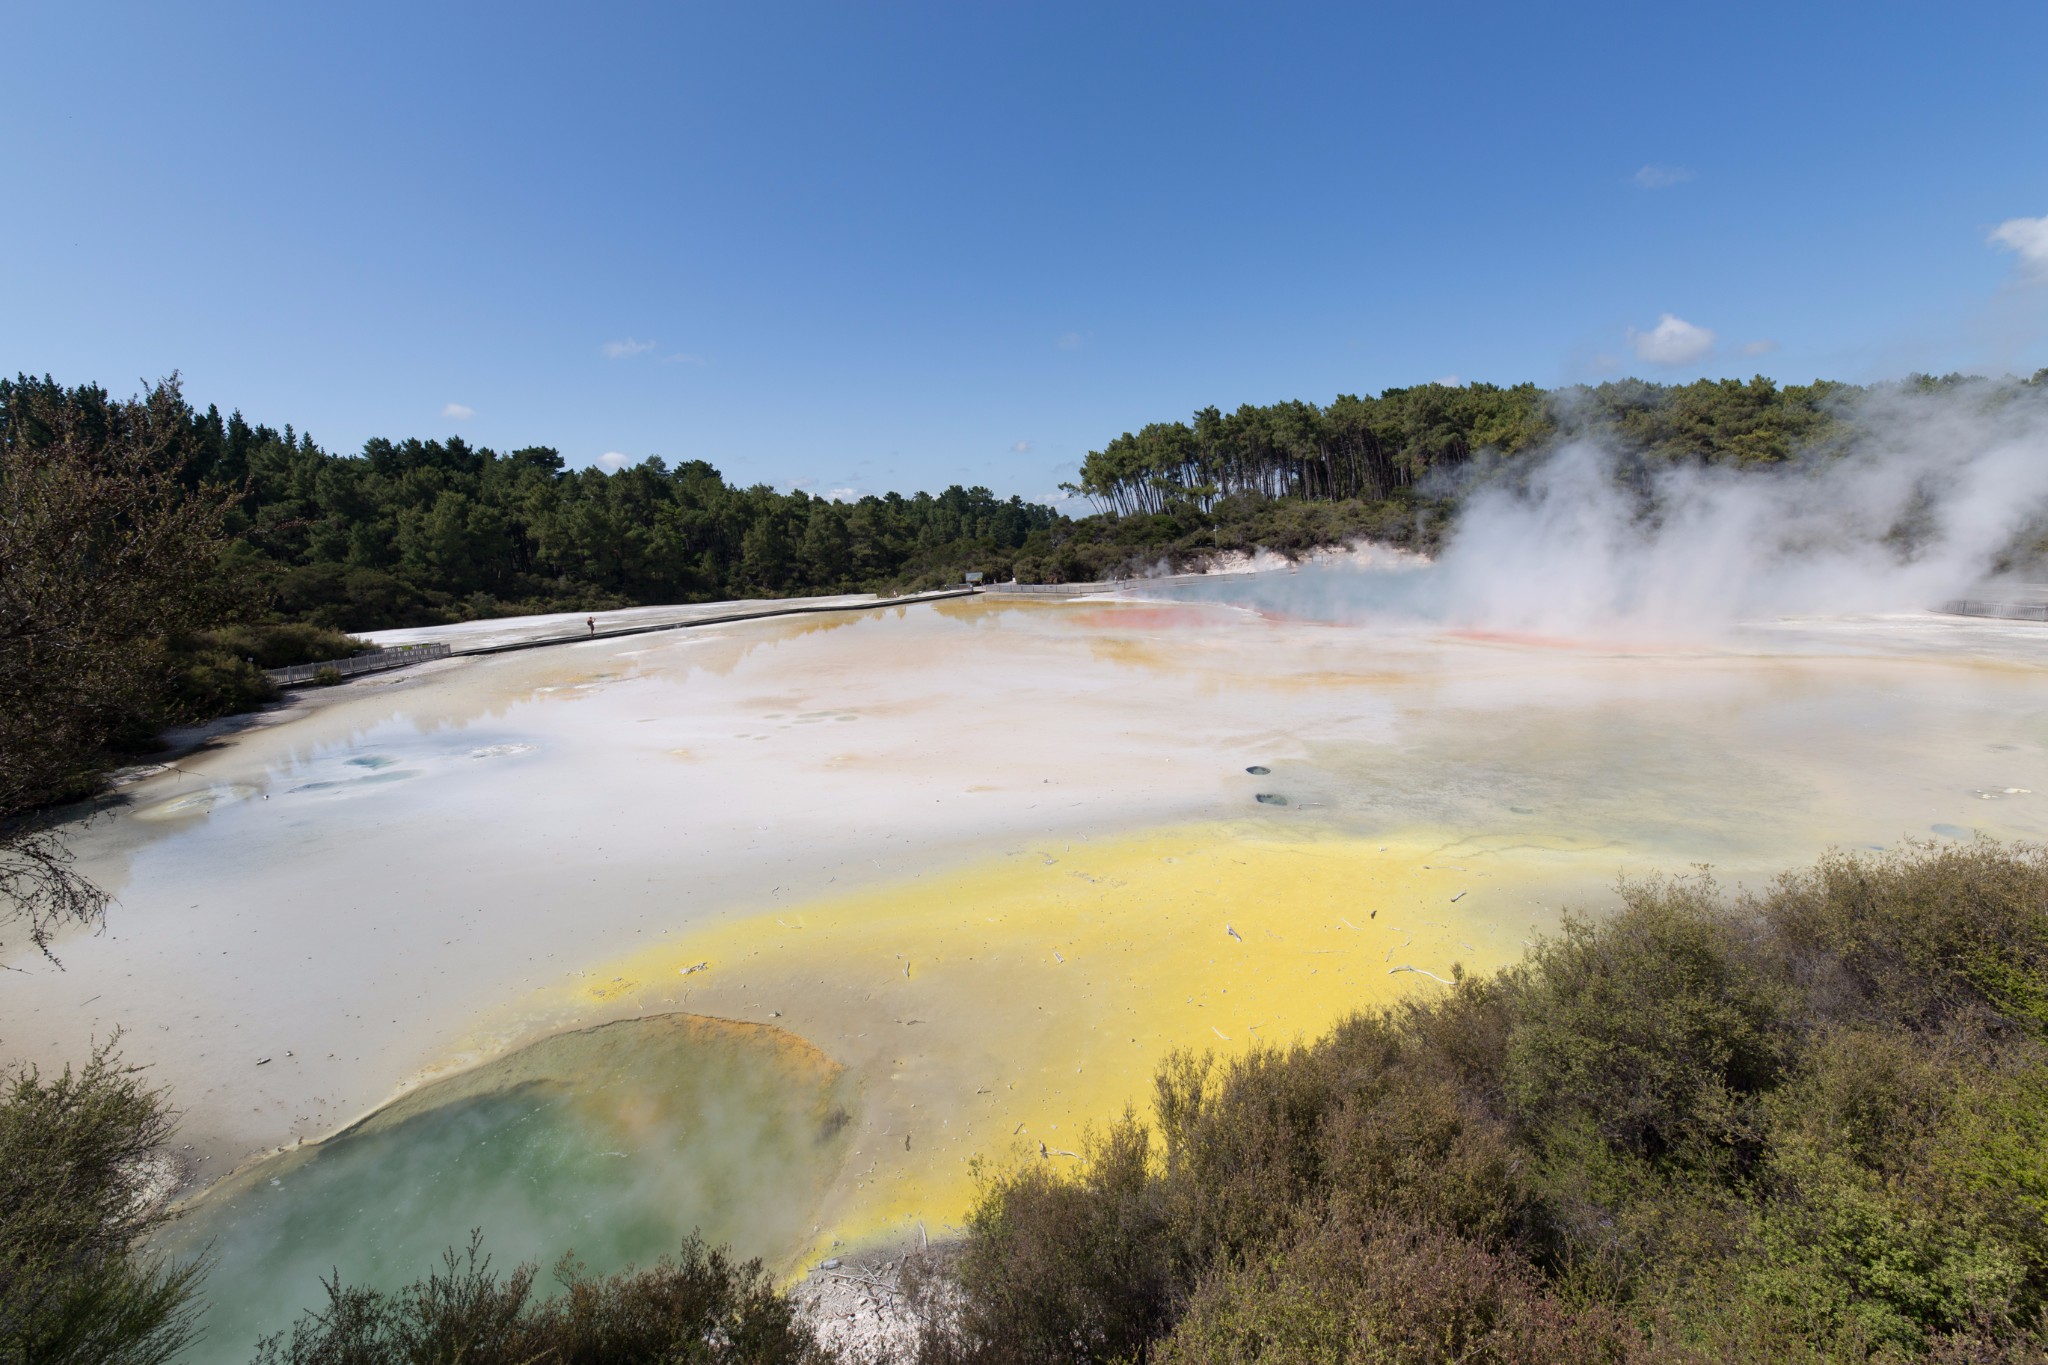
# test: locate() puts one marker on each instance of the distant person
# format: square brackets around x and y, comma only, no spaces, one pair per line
[591,621]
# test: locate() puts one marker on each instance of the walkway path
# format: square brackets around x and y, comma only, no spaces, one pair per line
[504,634]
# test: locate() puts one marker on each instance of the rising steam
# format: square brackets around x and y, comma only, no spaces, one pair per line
[1932,495]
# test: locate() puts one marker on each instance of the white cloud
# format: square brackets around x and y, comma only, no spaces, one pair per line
[612,461]
[621,350]
[1022,447]
[1673,341]
[846,494]
[1761,346]
[1656,177]
[1069,341]
[459,411]
[2026,238]
[1449,381]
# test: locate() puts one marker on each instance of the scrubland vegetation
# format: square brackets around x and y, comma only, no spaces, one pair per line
[696,1308]
[1808,1125]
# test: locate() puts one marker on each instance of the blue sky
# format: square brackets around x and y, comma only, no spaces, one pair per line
[872,246]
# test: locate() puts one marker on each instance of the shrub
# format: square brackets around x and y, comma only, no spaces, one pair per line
[1242,1147]
[1659,1029]
[209,680]
[75,1199]
[1858,1257]
[1059,1268]
[1383,1292]
[699,1308]
[1808,1126]
[282,644]
[1922,934]
[220,672]
[1420,1152]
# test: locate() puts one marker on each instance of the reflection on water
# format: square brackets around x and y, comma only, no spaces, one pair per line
[613,1142]
[1402,589]
[346,772]
[200,802]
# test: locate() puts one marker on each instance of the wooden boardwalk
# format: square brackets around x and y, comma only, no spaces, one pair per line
[754,614]
[400,656]
[2004,611]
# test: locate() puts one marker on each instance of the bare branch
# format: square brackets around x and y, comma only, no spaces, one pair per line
[38,884]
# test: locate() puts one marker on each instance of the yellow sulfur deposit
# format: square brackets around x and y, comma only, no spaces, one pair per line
[1000,1006]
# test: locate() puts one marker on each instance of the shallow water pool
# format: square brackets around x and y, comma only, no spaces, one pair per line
[611,1143]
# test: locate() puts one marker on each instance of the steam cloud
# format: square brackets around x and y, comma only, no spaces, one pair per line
[1934,492]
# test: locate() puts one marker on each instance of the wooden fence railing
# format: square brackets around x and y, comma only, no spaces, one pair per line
[374,661]
[2011,611]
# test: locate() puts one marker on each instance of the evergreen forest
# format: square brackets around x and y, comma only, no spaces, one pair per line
[418,532]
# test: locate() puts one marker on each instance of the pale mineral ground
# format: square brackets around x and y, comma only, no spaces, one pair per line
[960,873]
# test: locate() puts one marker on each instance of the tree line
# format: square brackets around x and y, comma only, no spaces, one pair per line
[422,531]
[419,531]
[1406,440]
[303,543]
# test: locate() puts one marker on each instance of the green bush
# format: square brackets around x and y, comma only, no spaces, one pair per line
[1659,1028]
[1809,1125]
[220,672]
[208,680]
[1918,938]
[75,1200]
[1393,1293]
[1061,1268]
[698,1308]
[282,644]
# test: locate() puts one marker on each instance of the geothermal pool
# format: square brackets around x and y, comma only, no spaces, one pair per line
[773,928]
